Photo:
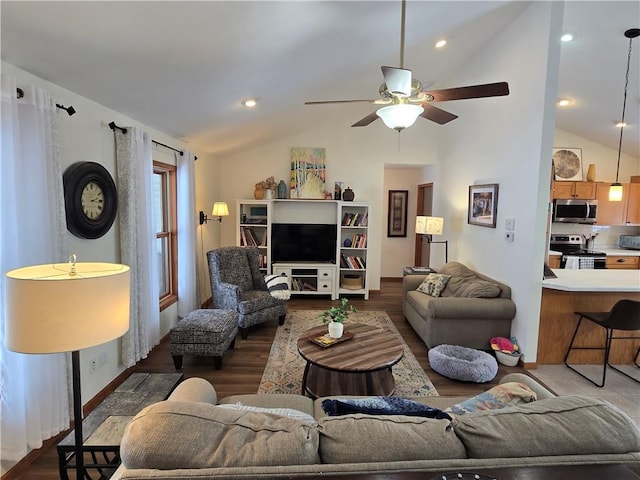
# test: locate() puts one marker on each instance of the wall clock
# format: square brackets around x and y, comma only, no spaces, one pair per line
[90,198]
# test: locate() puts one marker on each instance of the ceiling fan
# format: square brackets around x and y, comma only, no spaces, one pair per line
[405,100]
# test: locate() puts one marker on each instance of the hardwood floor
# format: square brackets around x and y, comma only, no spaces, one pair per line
[243,366]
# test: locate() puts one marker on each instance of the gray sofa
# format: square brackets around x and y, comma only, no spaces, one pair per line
[471,309]
[188,437]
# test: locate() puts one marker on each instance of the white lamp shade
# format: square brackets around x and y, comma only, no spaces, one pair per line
[429,225]
[400,116]
[220,209]
[615,192]
[50,310]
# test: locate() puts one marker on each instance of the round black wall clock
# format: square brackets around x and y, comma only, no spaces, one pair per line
[90,198]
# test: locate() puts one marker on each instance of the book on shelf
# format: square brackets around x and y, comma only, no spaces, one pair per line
[352,262]
[355,219]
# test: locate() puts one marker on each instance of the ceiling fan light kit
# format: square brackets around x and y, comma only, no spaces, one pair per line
[615,190]
[406,100]
[400,116]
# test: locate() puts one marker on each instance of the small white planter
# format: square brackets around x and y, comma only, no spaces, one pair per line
[336,329]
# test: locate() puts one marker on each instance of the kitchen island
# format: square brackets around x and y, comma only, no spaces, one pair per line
[589,291]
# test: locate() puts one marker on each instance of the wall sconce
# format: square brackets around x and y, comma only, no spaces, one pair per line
[429,226]
[220,209]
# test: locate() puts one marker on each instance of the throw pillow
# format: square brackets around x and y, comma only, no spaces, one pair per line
[381,406]
[282,412]
[434,284]
[500,396]
[278,286]
[479,289]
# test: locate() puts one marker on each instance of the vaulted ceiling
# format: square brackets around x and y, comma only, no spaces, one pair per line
[184,67]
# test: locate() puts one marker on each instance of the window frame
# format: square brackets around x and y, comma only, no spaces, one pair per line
[170,204]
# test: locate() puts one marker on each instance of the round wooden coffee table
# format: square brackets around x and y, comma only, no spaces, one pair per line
[358,366]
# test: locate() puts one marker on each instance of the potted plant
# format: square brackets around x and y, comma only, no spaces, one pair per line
[336,317]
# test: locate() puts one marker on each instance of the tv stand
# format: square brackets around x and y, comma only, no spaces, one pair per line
[306,278]
[348,275]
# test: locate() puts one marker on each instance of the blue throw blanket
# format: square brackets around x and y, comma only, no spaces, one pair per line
[382,406]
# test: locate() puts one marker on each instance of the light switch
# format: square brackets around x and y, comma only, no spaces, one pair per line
[510,224]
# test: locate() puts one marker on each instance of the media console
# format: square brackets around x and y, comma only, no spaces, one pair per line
[346,275]
[309,278]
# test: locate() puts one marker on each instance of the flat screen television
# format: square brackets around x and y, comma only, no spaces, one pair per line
[303,242]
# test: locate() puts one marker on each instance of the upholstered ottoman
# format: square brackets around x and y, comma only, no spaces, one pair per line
[463,363]
[206,332]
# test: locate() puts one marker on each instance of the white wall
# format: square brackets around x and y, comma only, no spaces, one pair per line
[399,251]
[507,141]
[85,136]
[355,156]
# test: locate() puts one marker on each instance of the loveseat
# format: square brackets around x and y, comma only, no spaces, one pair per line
[188,436]
[470,309]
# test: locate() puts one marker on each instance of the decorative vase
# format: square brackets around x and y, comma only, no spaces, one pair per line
[258,193]
[268,194]
[336,329]
[282,189]
[348,195]
[591,172]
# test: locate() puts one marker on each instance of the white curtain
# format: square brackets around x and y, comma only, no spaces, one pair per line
[138,241]
[34,391]
[187,276]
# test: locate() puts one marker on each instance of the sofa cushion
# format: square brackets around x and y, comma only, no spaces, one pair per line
[460,274]
[568,425]
[501,396]
[433,284]
[386,438]
[171,435]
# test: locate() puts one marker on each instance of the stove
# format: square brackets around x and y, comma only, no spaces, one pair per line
[573,245]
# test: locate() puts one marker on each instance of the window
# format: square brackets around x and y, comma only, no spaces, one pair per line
[164,197]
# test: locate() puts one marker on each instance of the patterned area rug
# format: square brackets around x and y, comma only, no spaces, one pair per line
[285,366]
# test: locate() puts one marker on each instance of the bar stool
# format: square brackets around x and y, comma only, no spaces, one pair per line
[624,315]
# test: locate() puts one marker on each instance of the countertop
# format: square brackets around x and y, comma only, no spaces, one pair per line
[594,280]
[617,252]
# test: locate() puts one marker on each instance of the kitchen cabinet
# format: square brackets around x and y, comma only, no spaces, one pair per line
[622,262]
[611,213]
[626,212]
[633,208]
[574,190]
[554,261]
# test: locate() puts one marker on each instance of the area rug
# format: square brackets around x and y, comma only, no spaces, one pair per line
[284,368]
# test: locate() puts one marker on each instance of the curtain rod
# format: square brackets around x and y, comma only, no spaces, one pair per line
[113,126]
[70,110]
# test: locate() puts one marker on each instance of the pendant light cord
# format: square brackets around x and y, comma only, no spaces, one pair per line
[624,107]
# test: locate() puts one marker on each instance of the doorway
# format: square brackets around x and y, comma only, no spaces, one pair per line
[424,207]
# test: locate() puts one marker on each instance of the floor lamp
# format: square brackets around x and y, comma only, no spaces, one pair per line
[429,226]
[66,307]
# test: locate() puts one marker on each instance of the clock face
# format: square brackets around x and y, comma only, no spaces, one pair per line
[92,200]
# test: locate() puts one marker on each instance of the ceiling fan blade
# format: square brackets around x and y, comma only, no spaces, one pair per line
[473,91]
[398,80]
[372,117]
[339,101]
[436,114]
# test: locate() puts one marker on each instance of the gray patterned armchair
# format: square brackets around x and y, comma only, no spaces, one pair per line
[237,284]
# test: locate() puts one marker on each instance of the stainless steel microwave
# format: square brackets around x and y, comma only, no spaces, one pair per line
[575,211]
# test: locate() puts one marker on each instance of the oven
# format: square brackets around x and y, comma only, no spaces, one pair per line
[574,253]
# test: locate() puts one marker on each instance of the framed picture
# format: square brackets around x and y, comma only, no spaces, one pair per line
[397,220]
[567,164]
[483,205]
[308,172]
[337,190]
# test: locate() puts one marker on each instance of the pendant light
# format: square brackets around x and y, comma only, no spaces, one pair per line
[615,190]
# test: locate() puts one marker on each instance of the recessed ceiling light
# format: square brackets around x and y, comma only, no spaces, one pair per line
[250,102]
[441,43]
[567,37]
[564,102]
